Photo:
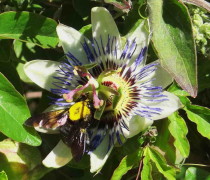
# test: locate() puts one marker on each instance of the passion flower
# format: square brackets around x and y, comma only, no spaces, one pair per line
[106,93]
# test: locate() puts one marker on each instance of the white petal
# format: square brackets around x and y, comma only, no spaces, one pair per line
[71,40]
[141,35]
[168,107]
[103,25]
[135,125]
[160,77]
[99,156]
[58,157]
[41,72]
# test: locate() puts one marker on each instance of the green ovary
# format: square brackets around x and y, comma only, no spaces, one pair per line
[118,84]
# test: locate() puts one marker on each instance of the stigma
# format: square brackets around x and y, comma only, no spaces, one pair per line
[91,86]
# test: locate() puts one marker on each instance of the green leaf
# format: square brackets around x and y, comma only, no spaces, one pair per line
[126,164]
[13,113]
[9,71]
[87,31]
[29,27]
[3,176]
[175,89]
[178,129]
[24,52]
[173,41]
[199,115]
[161,164]
[164,137]
[17,159]
[146,173]
[194,173]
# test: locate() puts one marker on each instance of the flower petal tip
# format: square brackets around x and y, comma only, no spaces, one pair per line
[99,156]
[58,157]
[98,9]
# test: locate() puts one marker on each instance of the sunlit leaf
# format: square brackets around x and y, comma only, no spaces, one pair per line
[172,38]
[199,115]
[87,31]
[29,27]
[13,113]
[178,129]
[175,89]
[146,173]
[127,164]
[195,173]
[161,164]
[3,176]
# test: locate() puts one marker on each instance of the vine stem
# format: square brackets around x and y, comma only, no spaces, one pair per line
[200,3]
[139,170]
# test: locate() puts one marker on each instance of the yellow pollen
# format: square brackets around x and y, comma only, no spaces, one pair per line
[83,130]
[66,98]
[79,110]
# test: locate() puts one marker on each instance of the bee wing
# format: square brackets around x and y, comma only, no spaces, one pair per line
[48,120]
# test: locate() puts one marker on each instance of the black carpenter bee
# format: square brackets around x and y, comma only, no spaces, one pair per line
[74,125]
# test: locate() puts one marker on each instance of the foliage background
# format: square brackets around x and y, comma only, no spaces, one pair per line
[174,148]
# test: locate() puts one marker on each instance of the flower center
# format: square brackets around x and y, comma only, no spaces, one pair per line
[120,101]
[109,91]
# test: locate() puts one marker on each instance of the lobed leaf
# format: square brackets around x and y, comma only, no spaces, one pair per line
[146,173]
[161,164]
[164,137]
[178,129]
[29,27]
[199,115]
[173,40]
[13,113]
[126,164]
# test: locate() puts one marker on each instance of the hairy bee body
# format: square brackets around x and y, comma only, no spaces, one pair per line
[74,124]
